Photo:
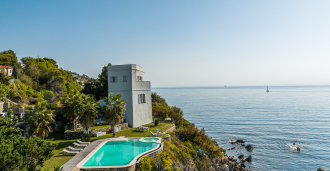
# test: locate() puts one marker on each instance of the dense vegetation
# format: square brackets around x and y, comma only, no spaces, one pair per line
[37,87]
[18,152]
[160,109]
[40,80]
[39,120]
[98,87]
[43,73]
[190,147]
[8,58]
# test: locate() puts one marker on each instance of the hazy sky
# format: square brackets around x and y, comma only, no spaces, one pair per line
[178,43]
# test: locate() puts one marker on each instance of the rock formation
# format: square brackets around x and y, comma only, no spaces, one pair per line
[249,148]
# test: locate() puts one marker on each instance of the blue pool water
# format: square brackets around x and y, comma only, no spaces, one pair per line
[270,122]
[150,139]
[118,153]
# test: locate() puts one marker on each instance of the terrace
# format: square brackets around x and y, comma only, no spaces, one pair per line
[59,159]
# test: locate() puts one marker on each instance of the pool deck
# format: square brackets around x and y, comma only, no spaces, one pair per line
[73,162]
[68,166]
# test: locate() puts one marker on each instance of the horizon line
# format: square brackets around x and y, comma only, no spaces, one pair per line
[240,86]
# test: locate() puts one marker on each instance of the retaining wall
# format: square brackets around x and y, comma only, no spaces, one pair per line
[131,168]
[78,134]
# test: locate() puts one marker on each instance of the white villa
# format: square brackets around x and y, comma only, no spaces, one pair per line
[128,81]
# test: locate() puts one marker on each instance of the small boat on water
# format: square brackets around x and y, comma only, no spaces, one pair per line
[267,90]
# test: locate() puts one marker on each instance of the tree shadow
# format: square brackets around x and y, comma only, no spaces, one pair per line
[58,136]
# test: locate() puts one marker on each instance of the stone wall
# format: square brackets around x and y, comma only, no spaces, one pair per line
[4,107]
[72,135]
[77,135]
[108,129]
[167,138]
[130,168]
[1,107]
[152,154]
[171,129]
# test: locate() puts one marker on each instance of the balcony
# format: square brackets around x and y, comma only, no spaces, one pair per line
[141,85]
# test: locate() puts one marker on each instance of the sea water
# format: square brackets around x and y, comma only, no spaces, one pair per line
[271,122]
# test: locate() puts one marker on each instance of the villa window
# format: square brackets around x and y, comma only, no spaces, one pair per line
[124,78]
[113,79]
[141,98]
[139,78]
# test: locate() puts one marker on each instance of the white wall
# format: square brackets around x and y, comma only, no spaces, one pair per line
[142,111]
[136,114]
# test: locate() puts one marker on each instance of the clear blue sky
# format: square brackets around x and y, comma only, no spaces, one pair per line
[178,43]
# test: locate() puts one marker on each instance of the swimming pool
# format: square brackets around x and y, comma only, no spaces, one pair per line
[158,140]
[150,139]
[117,153]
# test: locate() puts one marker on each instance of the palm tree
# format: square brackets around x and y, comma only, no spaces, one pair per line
[70,106]
[39,120]
[114,110]
[87,111]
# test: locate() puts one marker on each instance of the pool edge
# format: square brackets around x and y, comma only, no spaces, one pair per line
[133,162]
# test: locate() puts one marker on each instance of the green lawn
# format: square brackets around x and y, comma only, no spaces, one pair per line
[98,127]
[57,138]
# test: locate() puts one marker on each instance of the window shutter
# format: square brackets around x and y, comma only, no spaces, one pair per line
[144,98]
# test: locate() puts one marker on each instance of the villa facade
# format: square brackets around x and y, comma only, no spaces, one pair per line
[128,81]
[6,70]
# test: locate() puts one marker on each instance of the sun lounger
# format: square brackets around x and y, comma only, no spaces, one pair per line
[79,145]
[153,134]
[158,132]
[74,149]
[70,152]
[83,142]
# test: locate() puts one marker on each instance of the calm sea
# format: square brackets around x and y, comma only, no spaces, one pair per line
[270,122]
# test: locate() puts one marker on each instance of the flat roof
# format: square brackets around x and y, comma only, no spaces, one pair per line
[125,67]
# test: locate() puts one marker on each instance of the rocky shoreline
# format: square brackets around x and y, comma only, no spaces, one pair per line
[228,163]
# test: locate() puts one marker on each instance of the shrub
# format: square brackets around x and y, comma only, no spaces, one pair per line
[35,100]
[177,169]
[145,164]
[159,111]
[38,95]
[185,123]
[56,99]
[48,95]
[176,115]
[58,168]
[201,154]
[181,155]
[28,108]
[199,138]
[158,99]
[167,155]
[156,122]
[86,138]
[51,105]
